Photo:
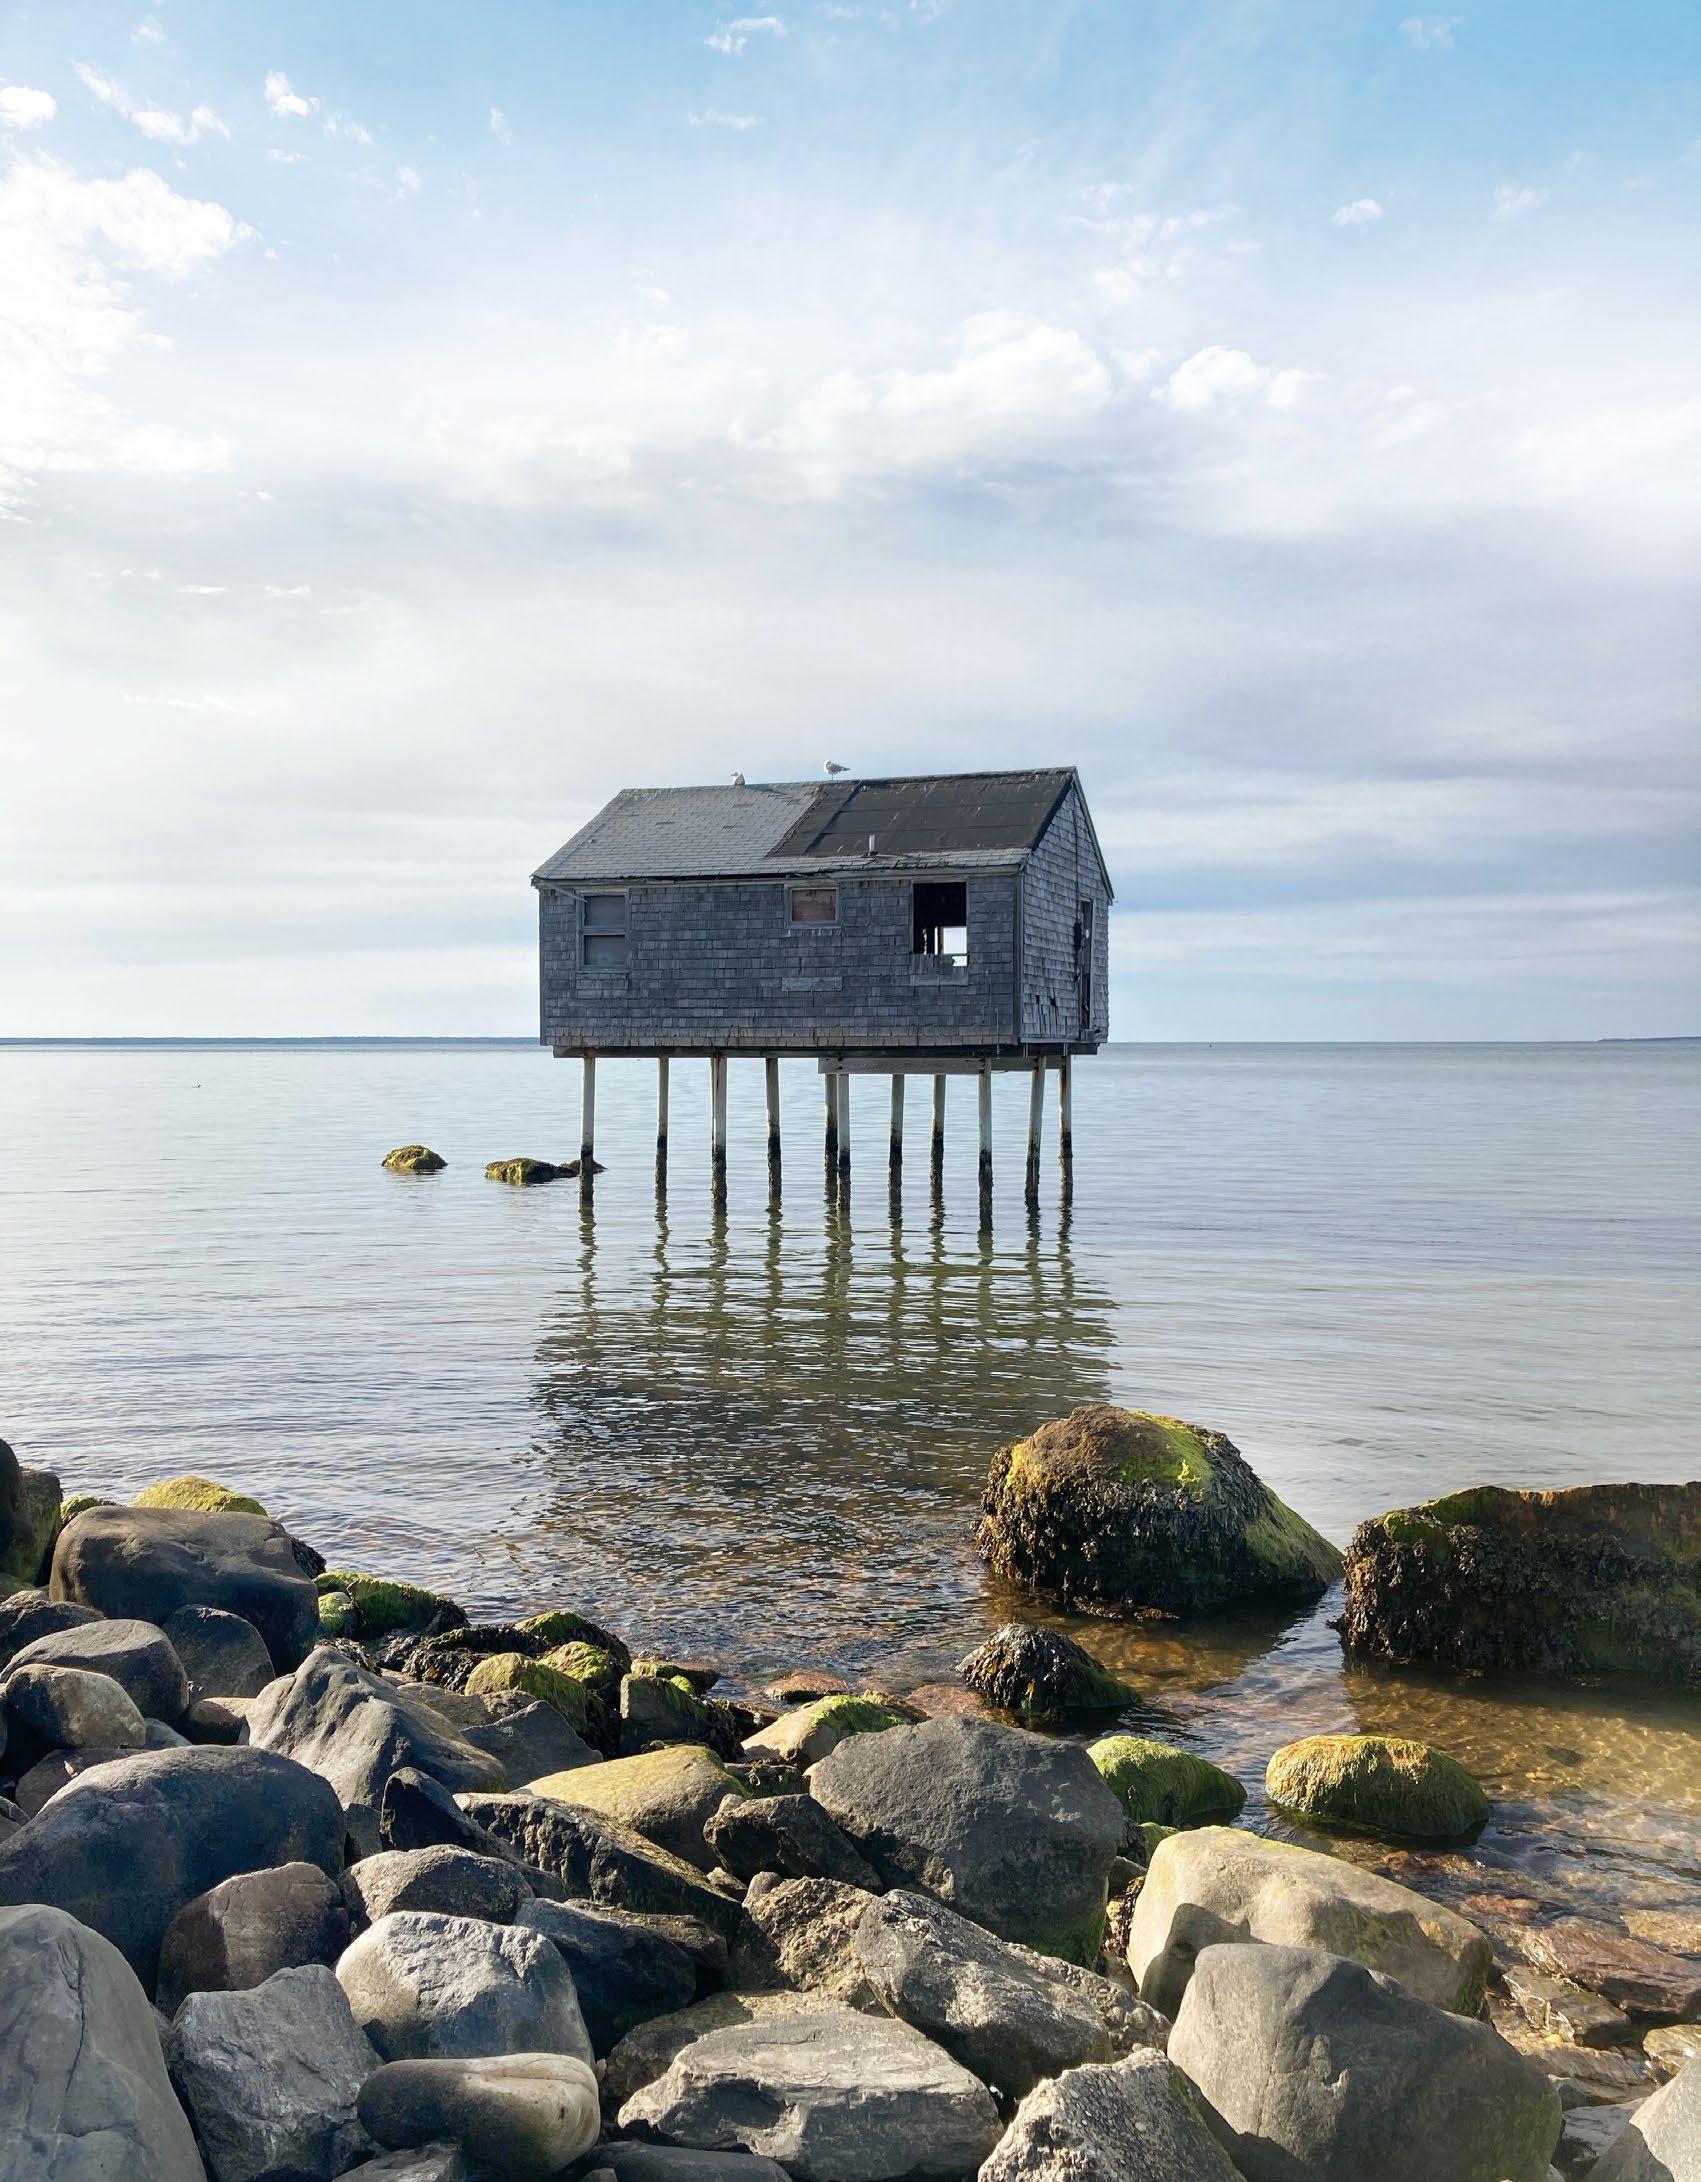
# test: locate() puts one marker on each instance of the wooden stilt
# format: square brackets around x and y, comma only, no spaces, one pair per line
[986,1136]
[844,1127]
[771,1077]
[717,1124]
[661,1121]
[1036,1114]
[588,1126]
[1065,1121]
[936,1150]
[895,1156]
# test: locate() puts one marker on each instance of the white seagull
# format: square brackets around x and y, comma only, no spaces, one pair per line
[833,767]
[738,780]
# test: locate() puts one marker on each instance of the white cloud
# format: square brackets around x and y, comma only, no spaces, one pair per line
[409,181]
[24,108]
[1224,375]
[1359,213]
[155,122]
[499,126]
[341,125]
[285,159]
[712,118]
[284,100]
[733,37]
[1429,33]
[148,32]
[1513,199]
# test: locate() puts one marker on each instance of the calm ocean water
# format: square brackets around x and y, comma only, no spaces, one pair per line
[1384,1271]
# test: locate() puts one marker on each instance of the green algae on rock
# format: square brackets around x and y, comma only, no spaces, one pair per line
[1114,1512]
[338,1614]
[386,1606]
[414,1159]
[522,1173]
[806,1736]
[30,1521]
[1040,1674]
[532,1678]
[205,1495]
[1160,1786]
[74,1503]
[1379,1783]
[1592,1579]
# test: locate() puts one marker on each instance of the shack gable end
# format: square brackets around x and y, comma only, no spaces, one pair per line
[1066,901]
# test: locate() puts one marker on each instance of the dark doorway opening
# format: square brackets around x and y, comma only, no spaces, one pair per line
[939,923]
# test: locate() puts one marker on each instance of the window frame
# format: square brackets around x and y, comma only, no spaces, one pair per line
[795,923]
[602,932]
[943,961]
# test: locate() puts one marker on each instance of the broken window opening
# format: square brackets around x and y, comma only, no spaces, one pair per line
[812,904]
[603,931]
[939,922]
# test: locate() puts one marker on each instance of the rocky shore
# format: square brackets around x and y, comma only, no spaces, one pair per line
[303,1875]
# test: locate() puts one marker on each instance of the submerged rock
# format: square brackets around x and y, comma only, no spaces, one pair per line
[1112,1511]
[1382,1783]
[1040,1674]
[521,1173]
[1158,1785]
[203,1494]
[1595,1578]
[414,1159]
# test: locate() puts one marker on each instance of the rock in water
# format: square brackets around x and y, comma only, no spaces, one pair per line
[123,1847]
[1040,1675]
[1116,1512]
[1219,1884]
[1595,1578]
[1663,2141]
[246,1929]
[521,1173]
[1158,1785]
[414,1159]
[147,1562]
[834,2096]
[271,2076]
[204,1494]
[29,1520]
[1381,1783]
[1009,1828]
[426,1987]
[525,2116]
[1314,2066]
[1138,2121]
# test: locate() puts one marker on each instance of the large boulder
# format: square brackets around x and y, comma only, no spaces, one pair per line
[667,1795]
[1115,1511]
[601,1859]
[1314,2066]
[452,1881]
[356,1729]
[136,1654]
[28,1614]
[147,1562]
[271,2075]
[625,1969]
[1663,2141]
[833,2095]
[124,1846]
[1594,1578]
[525,2116]
[223,1655]
[247,1928]
[84,2093]
[1010,1828]
[790,1835]
[428,1987]
[1377,1784]
[1217,1884]
[71,1708]
[1159,1785]
[530,1741]
[1041,1675]
[29,1520]
[1137,2120]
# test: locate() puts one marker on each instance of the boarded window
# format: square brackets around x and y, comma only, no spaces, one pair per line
[604,932]
[939,923]
[812,904]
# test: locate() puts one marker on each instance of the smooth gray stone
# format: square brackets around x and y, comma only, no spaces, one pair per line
[455,1882]
[1317,2067]
[151,1561]
[532,1741]
[1012,1829]
[124,1846]
[425,1987]
[525,2116]
[84,2095]
[73,1708]
[271,2076]
[791,1835]
[223,1655]
[417,1812]
[136,1654]
[249,1927]
[1134,2120]
[624,1971]
[1663,2141]
[28,1614]
[48,1775]
[597,1856]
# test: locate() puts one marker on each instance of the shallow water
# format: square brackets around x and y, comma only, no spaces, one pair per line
[1385,1272]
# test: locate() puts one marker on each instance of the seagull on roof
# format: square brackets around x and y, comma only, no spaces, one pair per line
[832,768]
[738,780]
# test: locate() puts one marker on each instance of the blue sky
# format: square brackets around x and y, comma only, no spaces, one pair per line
[417,422]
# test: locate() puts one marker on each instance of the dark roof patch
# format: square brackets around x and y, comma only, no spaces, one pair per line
[936,815]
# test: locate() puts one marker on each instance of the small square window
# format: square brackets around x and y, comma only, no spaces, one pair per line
[813,904]
[939,922]
[604,931]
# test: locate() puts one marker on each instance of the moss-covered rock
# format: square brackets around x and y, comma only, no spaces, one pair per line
[697,1674]
[204,1494]
[414,1159]
[1040,1675]
[532,1678]
[559,1625]
[74,1504]
[1377,1783]
[1595,1579]
[30,1502]
[600,1671]
[339,1616]
[658,1708]
[522,1173]
[805,1736]
[388,1607]
[669,1795]
[1160,1786]
[1112,1511]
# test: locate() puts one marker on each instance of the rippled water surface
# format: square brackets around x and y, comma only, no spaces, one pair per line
[1383,1271]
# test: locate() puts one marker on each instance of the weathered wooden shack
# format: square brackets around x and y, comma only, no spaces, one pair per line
[945,924]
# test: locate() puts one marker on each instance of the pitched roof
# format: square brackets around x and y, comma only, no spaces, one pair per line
[952,820]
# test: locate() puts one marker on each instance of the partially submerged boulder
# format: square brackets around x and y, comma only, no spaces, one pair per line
[202,1494]
[385,1606]
[414,1159]
[1159,1785]
[1592,1579]
[30,1502]
[802,1738]
[1112,1511]
[1377,1783]
[1041,1675]
[522,1173]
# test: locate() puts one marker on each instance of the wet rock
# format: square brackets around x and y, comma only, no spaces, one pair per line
[525,2116]
[136,1654]
[26,1615]
[657,1709]
[426,1987]
[223,1655]
[386,1606]
[271,2076]
[1158,1785]
[1678,1929]
[600,1858]
[29,1520]
[624,1970]
[83,2085]
[1381,1783]
[202,1494]
[1663,2140]
[413,1159]
[1009,1828]
[73,1708]
[355,1729]
[833,2096]
[247,1928]
[666,1795]
[790,1835]
[531,1741]
[123,1847]
[1115,1511]
[1598,1577]
[524,1173]
[453,1882]
[804,1737]
[1217,1884]
[1040,1675]
[1313,2065]
[1644,1980]
[1135,2121]
[147,1562]
[1564,2010]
